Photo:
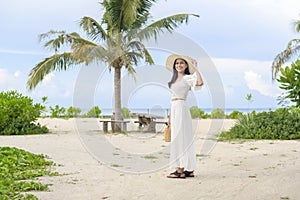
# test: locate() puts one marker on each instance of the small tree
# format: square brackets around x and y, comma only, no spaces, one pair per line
[94,112]
[125,112]
[73,111]
[235,114]
[290,82]
[195,112]
[44,109]
[249,99]
[218,113]
[57,111]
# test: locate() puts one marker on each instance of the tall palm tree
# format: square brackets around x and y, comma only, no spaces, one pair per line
[292,51]
[117,41]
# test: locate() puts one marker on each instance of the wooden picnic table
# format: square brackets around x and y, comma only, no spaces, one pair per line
[147,122]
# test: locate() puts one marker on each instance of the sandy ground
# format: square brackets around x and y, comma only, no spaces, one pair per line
[134,165]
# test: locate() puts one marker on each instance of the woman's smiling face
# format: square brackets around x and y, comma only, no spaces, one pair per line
[180,65]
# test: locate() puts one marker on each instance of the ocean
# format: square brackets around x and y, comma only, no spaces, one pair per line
[164,111]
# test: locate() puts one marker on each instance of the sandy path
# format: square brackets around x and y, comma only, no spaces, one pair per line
[249,170]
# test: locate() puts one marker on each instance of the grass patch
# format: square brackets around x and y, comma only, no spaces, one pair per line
[116,165]
[253,148]
[150,157]
[18,172]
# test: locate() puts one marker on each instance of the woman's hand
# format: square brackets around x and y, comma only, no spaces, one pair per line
[194,64]
[199,78]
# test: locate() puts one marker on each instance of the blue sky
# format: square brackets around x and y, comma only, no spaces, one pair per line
[240,37]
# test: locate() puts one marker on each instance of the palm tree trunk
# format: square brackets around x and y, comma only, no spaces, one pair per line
[117,95]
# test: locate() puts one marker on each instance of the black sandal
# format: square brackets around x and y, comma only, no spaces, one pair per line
[176,174]
[189,173]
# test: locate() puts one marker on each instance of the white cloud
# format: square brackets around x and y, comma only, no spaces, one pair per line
[48,78]
[255,82]
[3,76]
[17,73]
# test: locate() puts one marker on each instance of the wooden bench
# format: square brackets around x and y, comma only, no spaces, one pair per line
[123,124]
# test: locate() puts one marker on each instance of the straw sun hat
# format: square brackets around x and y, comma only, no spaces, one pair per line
[171,59]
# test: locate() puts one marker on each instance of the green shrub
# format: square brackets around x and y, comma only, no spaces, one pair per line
[283,124]
[198,113]
[125,112]
[235,114]
[73,111]
[93,113]
[218,113]
[18,114]
[57,111]
[195,112]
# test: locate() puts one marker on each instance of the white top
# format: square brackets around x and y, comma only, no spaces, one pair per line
[180,88]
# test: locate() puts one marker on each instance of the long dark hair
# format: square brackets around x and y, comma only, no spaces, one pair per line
[175,72]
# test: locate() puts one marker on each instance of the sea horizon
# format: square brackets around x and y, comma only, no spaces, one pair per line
[164,111]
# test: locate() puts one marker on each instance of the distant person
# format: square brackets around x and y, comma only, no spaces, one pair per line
[185,76]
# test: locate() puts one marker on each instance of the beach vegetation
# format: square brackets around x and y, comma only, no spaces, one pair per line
[18,114]
[196,113]
[94,112]
[19,170]
[289,80]
[218,113]
[116,40]
[73,112]
[292,51]
[249,100]
[57,111]
[235,114]
[126,112]
[282,124]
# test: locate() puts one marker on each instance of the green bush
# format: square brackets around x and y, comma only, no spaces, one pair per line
[73,111]
[125,112]
[18,114]
[283,124]
[93,113]
[57,111]
[198,113]
[195,112]
[218,113]
[235,114]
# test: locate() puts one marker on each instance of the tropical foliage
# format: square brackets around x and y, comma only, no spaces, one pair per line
[291,51]
[93,112]
[218,113]
[283,124]
[116,40]
[198,113]
[290,82]
[18,115]
[18,169]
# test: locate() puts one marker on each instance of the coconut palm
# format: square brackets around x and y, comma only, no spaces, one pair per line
[292,51]
[116,40]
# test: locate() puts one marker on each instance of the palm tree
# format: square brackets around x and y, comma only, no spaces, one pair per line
[292,51]
[117,41]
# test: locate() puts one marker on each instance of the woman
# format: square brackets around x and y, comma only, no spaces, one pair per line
[185,76]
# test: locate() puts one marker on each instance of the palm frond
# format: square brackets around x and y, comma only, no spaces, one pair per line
[92,28]
[57,62]
[88,53]
[62,39]
[165,24]
[140,47]
[292,49]
[297,25]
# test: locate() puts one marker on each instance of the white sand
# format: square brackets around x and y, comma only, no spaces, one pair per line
[227,170]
